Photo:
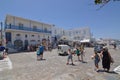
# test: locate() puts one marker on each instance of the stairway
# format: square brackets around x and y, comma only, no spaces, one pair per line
[5,64]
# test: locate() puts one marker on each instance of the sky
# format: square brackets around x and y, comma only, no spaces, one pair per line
[68,14]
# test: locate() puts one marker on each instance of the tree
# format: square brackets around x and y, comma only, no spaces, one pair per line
[98,1]
[103,1]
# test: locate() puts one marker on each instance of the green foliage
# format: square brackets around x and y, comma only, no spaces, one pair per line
[102,1]
[98,1]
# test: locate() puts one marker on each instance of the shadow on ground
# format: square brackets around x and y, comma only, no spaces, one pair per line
[110,72]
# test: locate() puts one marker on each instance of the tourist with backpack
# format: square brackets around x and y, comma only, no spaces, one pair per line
[41,49]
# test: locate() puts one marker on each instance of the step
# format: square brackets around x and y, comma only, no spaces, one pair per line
[5,64]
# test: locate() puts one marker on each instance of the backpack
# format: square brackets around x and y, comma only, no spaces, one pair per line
[38,52]
[41,48]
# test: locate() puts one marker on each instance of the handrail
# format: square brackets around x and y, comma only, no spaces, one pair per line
[26,29]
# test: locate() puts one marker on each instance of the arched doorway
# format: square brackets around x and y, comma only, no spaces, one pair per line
[18,44]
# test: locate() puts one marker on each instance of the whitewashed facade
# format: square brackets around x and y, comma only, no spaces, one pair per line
[58,32]
[28,32]
[79,34]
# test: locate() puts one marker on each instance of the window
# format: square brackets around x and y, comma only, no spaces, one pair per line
[34,27]
[17,34]
[26,36]
[10,25]
[32,40]
[20,26]
[76,32]
[45,29]
[32,35]
[8,36]
[55,32]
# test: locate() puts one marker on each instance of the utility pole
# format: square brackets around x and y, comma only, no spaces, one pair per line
[1,32]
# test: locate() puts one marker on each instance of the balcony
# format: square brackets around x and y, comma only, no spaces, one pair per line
[26,29]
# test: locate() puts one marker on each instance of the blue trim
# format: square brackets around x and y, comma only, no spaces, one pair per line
[26,29]
[8,36]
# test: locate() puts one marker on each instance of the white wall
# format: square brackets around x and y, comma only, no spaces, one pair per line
[13,20]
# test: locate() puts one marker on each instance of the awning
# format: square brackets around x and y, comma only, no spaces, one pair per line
[85,41]
[63,37]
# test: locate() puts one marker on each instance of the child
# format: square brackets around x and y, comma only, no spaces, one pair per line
[96,58]
[38,54]
[78,53]
[69,57]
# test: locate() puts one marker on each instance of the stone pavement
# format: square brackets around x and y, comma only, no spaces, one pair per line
[26,67]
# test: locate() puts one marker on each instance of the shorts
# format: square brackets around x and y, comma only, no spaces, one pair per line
[38,54]
[78,54]
[41,53]
[96,62]
[69,57]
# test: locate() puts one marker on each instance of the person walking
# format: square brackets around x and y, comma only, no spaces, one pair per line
[82,50]
[70,57]
[41,49]
[96,58]
[106,59]
[5,52]
[82,53]
[114,45]
[78,53]
[38,54]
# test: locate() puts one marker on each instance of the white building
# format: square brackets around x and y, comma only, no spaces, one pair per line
[57,32]
[22,32]
[79,34]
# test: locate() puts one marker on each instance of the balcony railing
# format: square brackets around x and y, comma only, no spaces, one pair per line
[26,29]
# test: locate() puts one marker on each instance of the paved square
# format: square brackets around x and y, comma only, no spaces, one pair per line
[26,67]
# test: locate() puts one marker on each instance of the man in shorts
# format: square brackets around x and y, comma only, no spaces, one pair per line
[41,49]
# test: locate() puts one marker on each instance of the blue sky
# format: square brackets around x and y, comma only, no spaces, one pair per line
[104,23]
